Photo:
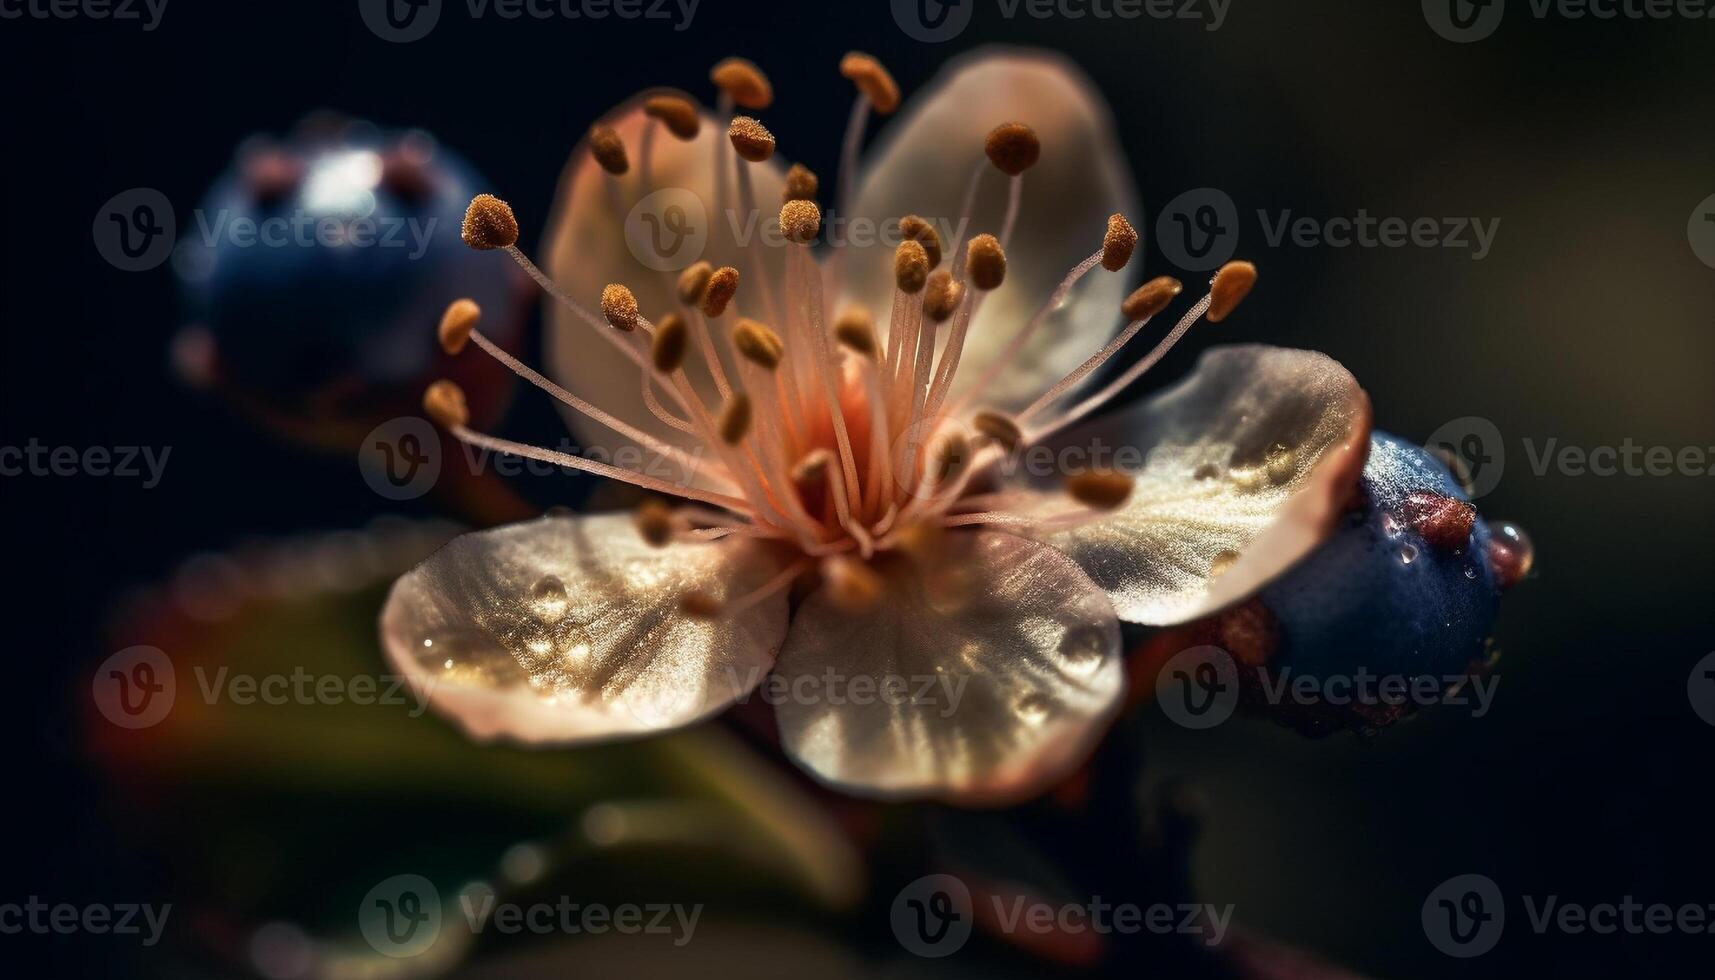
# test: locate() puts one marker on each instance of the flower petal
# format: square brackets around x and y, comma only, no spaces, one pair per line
[979,681]
[676,221]
[922,165]
[569,629]
[1241,471]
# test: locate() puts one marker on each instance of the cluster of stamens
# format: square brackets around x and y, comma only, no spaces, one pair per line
[821,435]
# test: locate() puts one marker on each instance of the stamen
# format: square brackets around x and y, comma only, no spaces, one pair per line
[1023,336]
[675,112]
[852,585]
[619,306]
[1143,303]
[689,462]
[855,329]
[743,82]
[801,184]
[871,79]
[444,402]
[985,263]
[758,344]
[1131,374]
[1100,489]
[457,322]
[1001,429]
[495,444]
[735,418]
[1150,298]
[951,457]
[801,221]
[489,223]
[751,139]
[1013,148]
[721,287]
[911,266]
[769,588]
[1118,243]
[877,89]
[693,282]
[1231,285]
[609,150]
[654,520]
[942,295]
[671,341]
[915,229]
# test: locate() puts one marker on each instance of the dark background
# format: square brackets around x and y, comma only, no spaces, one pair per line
[1590,323]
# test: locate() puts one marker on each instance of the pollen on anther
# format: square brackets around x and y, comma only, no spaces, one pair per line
[444,402]
[457,322]
[489,223]
[693,281]
[1150,298]
[801,184]
[855,329]
[1229,287]
[911,266]
[676,113]
[667,350]
[619,307]
[985,263]
[1118,243]
[1100,489]
[758,344]
[872,80]
[609,150]
[852,585]
[734,420]
[809,471]
[800,221]
[923,233]
[942,295]
[999,428]
[654,520]
[1013,148]
[951,457]
[743,82]
[751,139]
[721,287]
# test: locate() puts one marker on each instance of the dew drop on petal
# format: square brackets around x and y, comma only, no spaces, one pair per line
[1033,708]
[1280,464]
[1407,554]
[548,597]
[1082,650]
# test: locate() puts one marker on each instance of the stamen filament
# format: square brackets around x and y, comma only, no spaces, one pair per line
[567,398]
[499,445]
[1016,344]
[1132,373]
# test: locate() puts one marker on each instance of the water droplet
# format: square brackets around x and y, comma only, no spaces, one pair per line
[1206,471]
[1407,554]
[1033,708]
[1082,649]
[447,664]
[1470,571]
[548,597]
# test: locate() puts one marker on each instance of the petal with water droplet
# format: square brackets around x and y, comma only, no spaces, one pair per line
[1242,469]
[569,629]
[979,678]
